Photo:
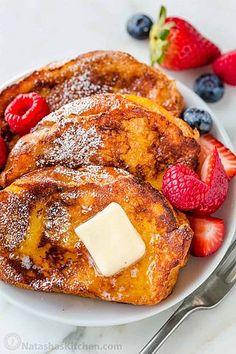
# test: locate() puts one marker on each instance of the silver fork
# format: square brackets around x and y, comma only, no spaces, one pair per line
[207,296]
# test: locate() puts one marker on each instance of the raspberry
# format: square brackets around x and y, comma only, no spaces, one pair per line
[183,188]
[25,111]
[3,152]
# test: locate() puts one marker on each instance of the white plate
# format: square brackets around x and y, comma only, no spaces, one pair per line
[87,312]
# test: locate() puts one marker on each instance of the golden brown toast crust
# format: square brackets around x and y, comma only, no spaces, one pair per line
[39,249]
[90,73]
[107,130]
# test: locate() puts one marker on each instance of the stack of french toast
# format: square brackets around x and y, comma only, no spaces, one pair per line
[112,132]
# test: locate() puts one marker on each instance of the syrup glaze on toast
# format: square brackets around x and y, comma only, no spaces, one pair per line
[40,250]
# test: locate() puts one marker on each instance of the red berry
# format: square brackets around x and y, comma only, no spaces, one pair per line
[214,175]
[208,235]
[183,188]
[186,191]
[228,158]
[25,111]
[225,67]
[3,152]
[177,45]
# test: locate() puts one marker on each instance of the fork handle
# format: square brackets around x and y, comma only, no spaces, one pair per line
[183,311]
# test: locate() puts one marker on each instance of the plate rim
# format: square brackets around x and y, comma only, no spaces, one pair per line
[162,306]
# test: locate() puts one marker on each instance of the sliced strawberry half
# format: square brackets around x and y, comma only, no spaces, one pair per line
[228,158]
[208,235]
[213,175]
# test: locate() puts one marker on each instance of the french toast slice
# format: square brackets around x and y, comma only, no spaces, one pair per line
[108,130]
[91,73]
[40,250]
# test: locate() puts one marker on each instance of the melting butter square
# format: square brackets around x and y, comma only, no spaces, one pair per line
[111,239]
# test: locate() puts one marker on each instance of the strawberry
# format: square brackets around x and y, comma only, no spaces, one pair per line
[183,188]
[214,176]
[3,152]
[25,111]
[176,45]
[225,67]
[228,158]
[208,235]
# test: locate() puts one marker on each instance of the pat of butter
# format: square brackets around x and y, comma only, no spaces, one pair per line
[111,240]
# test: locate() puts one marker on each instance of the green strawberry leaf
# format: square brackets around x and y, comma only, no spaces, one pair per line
[162,15]
[164,34]
[158,37]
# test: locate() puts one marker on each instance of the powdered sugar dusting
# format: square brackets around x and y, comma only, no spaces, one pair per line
[106,295]
[86,209]
[13,220]
[26,262]
[55,281]
[57,221]
[73,108]
[75,87]
[154,238]
[70,196]
[9,272]
[93,173]
[74,147]
[134,272]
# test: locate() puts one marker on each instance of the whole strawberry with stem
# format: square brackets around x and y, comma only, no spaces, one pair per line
[176,45]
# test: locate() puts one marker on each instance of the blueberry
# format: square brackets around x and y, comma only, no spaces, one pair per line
[209,87]
[198,118]
[138,26]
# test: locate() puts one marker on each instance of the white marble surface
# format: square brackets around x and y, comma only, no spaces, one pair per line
[35,32]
